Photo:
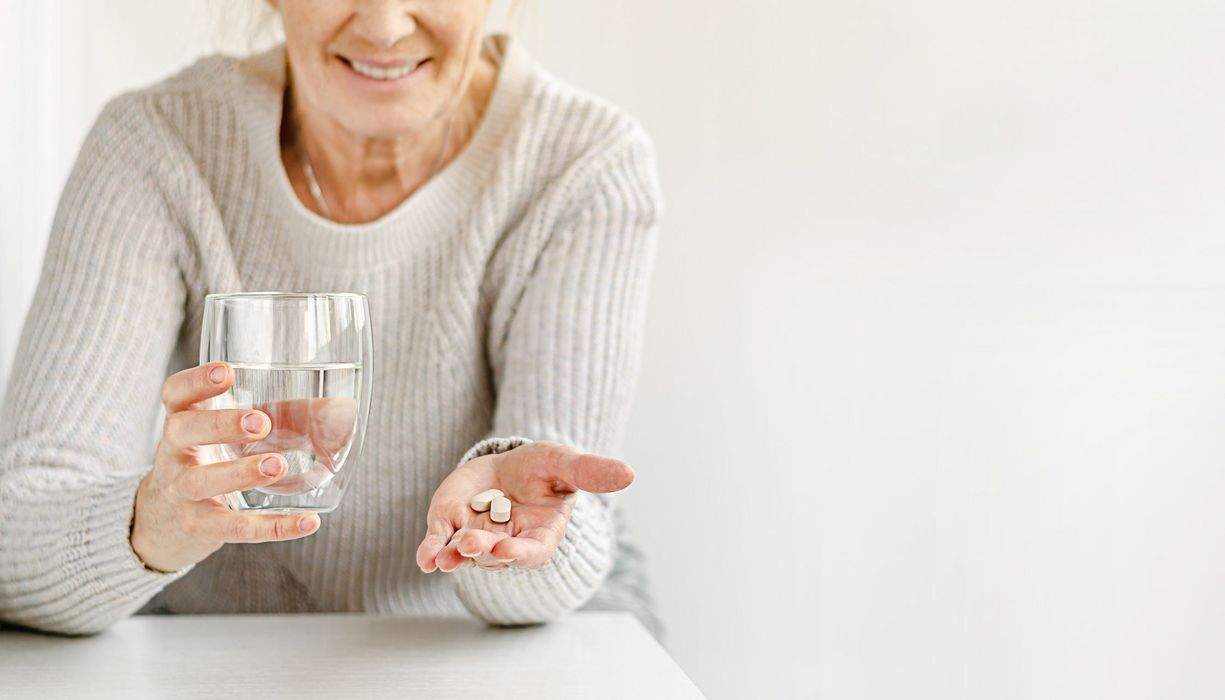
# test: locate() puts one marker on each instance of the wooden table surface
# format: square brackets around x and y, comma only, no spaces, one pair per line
[338,656]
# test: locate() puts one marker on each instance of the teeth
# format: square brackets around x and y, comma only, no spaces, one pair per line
[381,73]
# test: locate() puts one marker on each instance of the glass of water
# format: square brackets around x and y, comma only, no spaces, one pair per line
[303,359]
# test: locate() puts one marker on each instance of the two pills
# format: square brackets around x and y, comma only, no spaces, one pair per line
[493,501]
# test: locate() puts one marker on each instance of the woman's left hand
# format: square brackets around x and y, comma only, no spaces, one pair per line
[541,479]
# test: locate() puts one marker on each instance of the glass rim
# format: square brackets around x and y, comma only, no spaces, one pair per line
[283,295]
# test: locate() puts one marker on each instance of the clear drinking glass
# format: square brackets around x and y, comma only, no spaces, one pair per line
[304,359]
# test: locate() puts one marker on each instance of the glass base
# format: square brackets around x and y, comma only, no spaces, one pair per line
[291,509]
[257,502]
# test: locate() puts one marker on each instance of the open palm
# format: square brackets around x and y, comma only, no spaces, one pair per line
[541,480]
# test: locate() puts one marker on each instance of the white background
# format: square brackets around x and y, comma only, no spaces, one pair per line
[933,392]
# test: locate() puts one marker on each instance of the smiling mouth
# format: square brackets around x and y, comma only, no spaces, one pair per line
[386,73]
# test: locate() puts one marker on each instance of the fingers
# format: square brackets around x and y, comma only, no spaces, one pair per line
[184,389]
[222,525]
[199,482]
[428,551]
[436,537]
[582,471]
[449,559]
[527,551]
[467,546]
[470,546]
[477,546]
[472,542]
[487,549]
[190,428]
[328,422]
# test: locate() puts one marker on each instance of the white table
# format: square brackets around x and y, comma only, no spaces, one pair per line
[337,656]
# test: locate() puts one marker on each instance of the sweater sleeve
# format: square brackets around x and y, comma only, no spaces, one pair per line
[78,417]
[566,373]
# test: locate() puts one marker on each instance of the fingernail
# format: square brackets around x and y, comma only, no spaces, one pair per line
[506,561]
[217,374]
[309,523]
[253,422]
[271,466]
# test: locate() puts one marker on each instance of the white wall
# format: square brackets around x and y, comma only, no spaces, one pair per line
[937,334]
[63,60]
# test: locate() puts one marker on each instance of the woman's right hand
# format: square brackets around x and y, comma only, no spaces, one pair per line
[180,517]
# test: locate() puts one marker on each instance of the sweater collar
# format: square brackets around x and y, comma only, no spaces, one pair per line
[433,209]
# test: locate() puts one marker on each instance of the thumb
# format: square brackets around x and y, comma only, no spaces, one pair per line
[591,472]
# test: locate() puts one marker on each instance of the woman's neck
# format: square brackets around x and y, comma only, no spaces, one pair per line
[360,178]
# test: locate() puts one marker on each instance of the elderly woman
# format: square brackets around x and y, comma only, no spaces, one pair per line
[502,224]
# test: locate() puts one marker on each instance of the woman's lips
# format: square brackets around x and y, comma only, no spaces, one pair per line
[385,72]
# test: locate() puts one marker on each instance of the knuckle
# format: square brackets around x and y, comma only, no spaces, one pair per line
[164,453]
[189,484]
[437,524]
[174,429]
[220,423]
[191,525]
[280,528]
[242,529]
[175,385]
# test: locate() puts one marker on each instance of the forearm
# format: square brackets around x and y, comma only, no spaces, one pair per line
[565,363]
[81,399]
[66,564]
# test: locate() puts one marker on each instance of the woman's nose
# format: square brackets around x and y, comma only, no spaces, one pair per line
[383,23]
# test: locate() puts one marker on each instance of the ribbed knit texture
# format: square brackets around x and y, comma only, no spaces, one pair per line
[507,297]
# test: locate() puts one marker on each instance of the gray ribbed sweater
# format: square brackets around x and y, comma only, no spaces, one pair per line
[507,297]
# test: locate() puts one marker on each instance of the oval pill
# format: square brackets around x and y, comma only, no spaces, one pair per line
[480,502]
[499,509]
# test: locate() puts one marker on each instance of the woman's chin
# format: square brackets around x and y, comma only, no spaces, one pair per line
[381,121]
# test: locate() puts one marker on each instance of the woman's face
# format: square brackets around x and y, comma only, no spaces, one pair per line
[382,68]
